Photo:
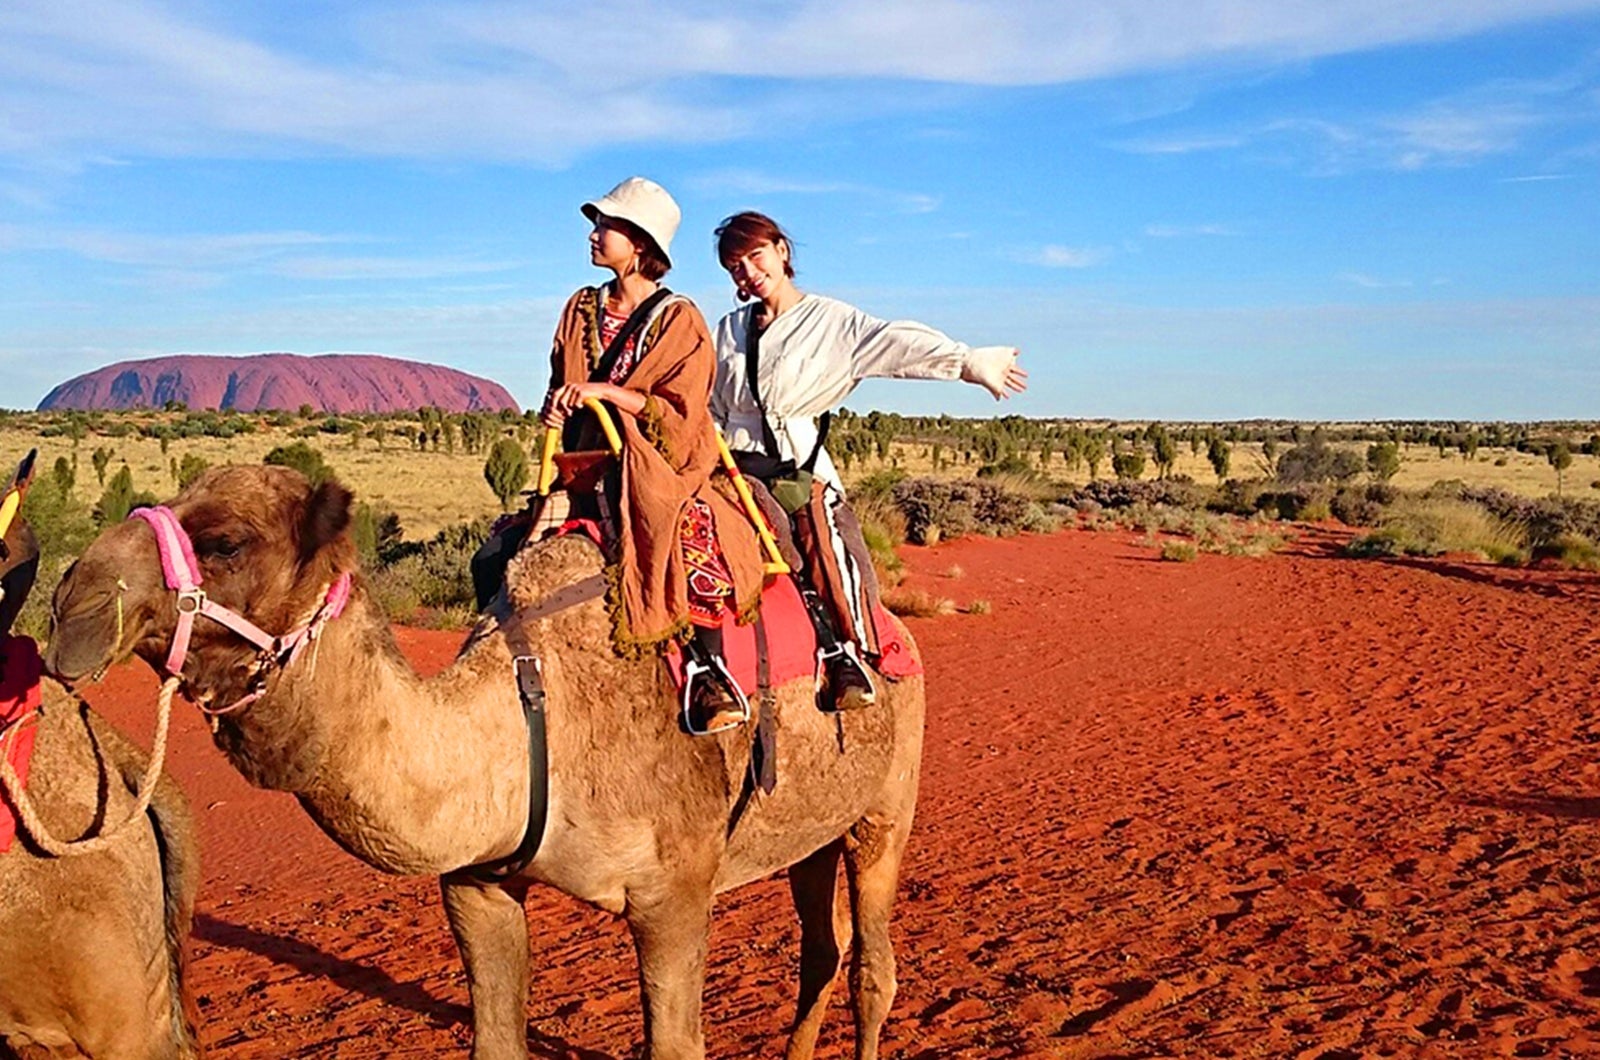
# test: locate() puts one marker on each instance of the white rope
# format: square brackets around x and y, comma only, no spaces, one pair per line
[58,848]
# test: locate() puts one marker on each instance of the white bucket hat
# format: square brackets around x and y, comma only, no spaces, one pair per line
[644,203]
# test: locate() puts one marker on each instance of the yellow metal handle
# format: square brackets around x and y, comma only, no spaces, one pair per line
[552,441]
[547,460]
[613,439]
[775,563]
[8,509]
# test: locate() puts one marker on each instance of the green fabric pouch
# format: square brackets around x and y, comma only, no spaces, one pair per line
[792,492]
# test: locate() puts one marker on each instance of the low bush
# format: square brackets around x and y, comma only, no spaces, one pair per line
[936,509]
[432,576]
[1432,526]
[1179,551]
[1570,550]
[917,603]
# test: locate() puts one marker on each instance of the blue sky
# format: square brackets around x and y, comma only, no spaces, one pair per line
[1223,209]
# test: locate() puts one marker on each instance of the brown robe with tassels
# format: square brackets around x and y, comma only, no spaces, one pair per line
[669,456]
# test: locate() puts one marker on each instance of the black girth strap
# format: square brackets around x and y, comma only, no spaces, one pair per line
[529,673]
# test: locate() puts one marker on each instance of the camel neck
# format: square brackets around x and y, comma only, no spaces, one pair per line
[394,768]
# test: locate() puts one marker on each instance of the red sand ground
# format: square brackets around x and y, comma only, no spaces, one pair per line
[1288,806]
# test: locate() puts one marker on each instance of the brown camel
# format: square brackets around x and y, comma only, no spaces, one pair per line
[432,776]
[91,946]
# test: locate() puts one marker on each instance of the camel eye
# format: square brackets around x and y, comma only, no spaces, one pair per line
[223,548]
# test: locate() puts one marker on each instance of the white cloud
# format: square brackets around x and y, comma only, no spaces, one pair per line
[392,268]
[1056,256]
[1361,279]
[1156,231]
[725,182]
[176,253]
[508,80]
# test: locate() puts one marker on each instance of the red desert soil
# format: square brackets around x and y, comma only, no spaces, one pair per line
[1288,806]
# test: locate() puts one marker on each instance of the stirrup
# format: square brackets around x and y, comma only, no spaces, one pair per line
[834,657]
[711,670]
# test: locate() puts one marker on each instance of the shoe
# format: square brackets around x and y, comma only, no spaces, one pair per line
[711,702]
[850,686]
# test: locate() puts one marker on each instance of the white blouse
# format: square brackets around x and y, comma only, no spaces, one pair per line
[811,357]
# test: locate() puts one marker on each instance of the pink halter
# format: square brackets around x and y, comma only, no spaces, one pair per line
[182,575]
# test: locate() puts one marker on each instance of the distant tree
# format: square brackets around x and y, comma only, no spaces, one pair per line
[1218,452]
[1128,464]
[101,460]
[1165,450]
[117,500]
[506,471]
[1468,446]
[302,458]
[1383,460]
[1559,456]
[1592,446]
[191,468]
[374,533]
[1094,451]
[307,411]
[1269,455]
[63,475]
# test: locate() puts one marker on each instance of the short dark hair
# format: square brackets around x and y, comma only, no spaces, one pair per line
[743,232]
[652,263]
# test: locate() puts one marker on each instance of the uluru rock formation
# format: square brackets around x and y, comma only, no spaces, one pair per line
[333,382]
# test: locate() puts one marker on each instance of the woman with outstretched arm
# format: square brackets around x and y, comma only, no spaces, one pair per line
[785,360]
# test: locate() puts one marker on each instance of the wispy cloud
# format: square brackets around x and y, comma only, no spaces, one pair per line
[389,268]
[1361,279]
[1056,256]
[500,80]
[178,253]
[1493,119]
[1156,231]
[724,182]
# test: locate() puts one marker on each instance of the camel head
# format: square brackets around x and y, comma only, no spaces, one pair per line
[19,550]
[267,545]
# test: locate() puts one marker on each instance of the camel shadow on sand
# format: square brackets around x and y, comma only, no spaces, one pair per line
[1572,807]
[364,979]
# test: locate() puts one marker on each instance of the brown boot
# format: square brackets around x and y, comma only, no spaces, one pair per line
[712,701]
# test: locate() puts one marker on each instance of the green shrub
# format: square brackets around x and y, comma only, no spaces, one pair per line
[435,575]
[1431,527]
[1570,550]
[302,458]
[1179,551]
[64,528]
[506,471]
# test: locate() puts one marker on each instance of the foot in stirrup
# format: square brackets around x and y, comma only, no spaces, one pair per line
[849,684]
[711,700]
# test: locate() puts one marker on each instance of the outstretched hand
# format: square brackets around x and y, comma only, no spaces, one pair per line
[995,369]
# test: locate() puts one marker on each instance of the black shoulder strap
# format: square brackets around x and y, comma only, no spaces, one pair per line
[752,372]
[636,319]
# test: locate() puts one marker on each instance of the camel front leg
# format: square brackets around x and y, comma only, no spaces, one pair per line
[671,931]
[814,886]
[491,931]
[873,849]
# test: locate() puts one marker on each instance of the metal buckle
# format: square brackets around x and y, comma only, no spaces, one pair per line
[196,598]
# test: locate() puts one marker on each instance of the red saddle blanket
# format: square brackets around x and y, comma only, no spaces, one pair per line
[792,642]
[20,670]
[791,639]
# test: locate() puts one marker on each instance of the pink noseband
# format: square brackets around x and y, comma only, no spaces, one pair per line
[183,577]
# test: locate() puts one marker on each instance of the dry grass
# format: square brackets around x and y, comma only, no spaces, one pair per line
[428,490]
[1417,527]
[917,603]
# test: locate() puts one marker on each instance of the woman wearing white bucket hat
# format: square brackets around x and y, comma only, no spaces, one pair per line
[688,555]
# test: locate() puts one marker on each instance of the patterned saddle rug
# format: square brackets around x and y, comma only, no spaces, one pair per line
[20,671]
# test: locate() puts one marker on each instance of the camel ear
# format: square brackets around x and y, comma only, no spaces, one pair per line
[327,515]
